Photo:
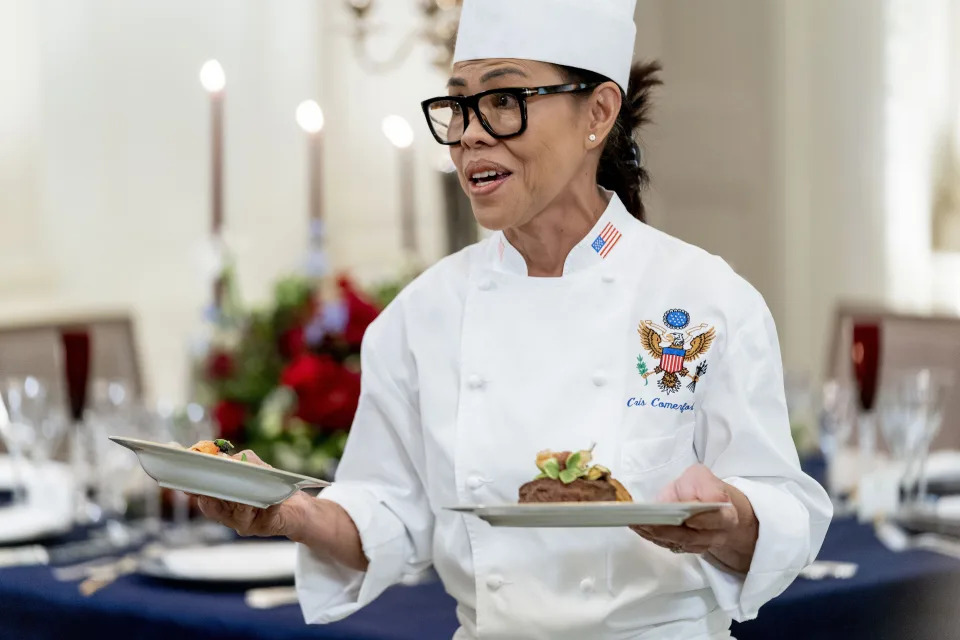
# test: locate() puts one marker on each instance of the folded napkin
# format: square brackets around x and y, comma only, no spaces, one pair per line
[48,509]
[944,466]
[948,507]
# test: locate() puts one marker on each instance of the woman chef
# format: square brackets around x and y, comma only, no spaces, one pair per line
[574,323]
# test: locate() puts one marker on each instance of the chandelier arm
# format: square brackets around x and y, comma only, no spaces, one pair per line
[399,56]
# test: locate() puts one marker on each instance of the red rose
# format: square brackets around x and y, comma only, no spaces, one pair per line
[291,342]
[230,416]
[360,312]
[306,370]
[327,393]
[219,365]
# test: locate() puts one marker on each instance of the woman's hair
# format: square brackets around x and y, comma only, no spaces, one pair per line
[621,169]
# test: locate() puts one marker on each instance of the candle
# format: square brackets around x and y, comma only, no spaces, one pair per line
[310,119]
[213,80]
[400,134]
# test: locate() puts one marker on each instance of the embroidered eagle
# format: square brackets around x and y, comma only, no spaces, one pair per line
[672,349]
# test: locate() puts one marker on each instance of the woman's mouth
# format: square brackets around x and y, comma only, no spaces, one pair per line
[486,182]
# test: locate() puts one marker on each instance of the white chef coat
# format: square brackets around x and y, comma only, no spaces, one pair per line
[476,367]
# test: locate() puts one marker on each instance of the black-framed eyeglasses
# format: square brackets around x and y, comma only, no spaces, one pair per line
[502,112]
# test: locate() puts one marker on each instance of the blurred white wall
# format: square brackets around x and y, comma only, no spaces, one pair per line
[792,138]
[795,139]
[105,156]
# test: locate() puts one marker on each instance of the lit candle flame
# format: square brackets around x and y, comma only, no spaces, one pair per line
[310,116]
[398,131]
[212,76]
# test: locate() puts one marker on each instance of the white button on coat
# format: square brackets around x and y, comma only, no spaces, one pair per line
[486,285]
[475,482]
[608,278]
[588,585]
[475,382]
[599,378]
[494,582]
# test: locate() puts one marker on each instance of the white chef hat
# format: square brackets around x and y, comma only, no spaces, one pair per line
[596,35]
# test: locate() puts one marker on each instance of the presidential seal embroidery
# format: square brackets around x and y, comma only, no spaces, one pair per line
[675,346]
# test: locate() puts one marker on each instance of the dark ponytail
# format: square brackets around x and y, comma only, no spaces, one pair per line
[621,165]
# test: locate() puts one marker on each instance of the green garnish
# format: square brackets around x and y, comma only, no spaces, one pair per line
[243,458]
[568,475]
[552,468]
[223,445]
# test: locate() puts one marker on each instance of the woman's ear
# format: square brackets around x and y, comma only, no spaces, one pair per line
[604,107]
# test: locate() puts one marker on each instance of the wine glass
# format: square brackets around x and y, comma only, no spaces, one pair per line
[865,357]
[190,425]
[25,399]
[112,413]
[911,408]
[37,423]
[76,369]
[935,385]
[901,422]
[837,418]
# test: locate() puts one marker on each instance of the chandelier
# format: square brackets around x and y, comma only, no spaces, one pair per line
[438,29]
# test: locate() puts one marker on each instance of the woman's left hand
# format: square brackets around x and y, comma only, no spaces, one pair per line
[729,534]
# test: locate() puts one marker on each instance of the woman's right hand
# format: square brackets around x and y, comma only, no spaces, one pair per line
[246,520]
[249,521]
[321,525]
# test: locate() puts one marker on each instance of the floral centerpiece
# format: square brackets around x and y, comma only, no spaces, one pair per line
[285,380]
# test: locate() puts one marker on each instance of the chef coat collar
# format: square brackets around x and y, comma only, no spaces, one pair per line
[607,236]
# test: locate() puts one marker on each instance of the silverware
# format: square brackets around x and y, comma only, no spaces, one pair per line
[103,575]
[896,539]
[821,569]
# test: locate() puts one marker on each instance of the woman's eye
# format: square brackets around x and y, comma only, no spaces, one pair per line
[506,101]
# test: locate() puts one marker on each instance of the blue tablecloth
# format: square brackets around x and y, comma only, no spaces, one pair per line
[908,596]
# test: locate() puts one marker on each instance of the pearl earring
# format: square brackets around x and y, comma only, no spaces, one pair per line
[593,137]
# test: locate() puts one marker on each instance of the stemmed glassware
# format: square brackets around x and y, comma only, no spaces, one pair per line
[865,357]
[30,427]
[837,419]
[911,406]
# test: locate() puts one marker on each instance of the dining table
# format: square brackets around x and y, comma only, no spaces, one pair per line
[902,595]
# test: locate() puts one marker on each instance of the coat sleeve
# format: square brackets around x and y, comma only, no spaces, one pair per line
[743,436]
[378,483]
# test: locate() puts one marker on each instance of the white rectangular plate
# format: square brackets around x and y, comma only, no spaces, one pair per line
[589,514]
[217,477]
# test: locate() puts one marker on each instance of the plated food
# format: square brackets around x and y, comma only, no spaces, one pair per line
[570,491]
[213,447]
[206,469]
[569,477]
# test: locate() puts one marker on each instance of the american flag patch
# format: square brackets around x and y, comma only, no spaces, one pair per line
[607,239]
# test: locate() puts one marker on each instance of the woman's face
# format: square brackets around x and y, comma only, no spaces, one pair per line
[538,165]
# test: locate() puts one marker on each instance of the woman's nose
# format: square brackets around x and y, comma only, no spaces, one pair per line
[475,134]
